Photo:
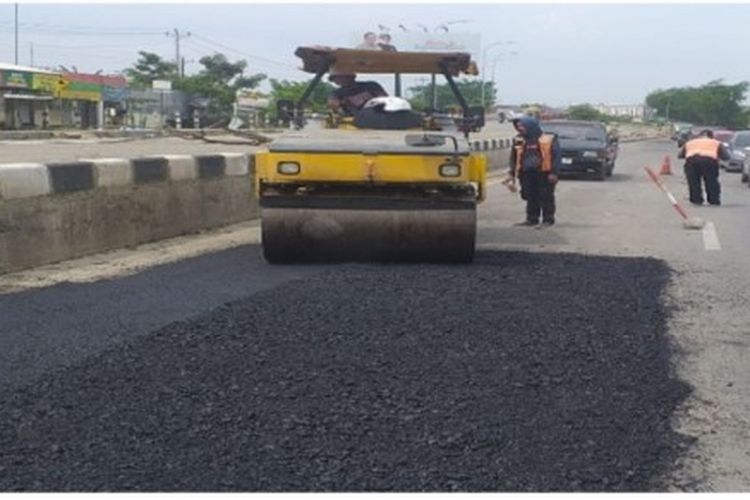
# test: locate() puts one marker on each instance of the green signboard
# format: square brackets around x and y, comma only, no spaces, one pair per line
[16,79]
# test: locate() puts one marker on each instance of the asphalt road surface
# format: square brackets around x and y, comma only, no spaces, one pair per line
[607,353]
[57,150]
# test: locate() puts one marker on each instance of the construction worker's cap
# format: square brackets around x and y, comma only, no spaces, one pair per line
[333,73]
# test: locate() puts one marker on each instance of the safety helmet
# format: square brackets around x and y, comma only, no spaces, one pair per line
[390,104]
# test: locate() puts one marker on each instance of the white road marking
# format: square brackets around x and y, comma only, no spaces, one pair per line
[710,237]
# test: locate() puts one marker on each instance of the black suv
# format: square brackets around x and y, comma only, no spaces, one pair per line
[586,147]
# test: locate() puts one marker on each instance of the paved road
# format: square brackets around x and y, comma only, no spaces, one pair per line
[56,150]
[53,150]
[708,295]
[605,354]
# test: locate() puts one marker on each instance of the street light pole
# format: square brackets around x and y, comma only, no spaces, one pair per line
[484,62]
[499,57]
[16,32]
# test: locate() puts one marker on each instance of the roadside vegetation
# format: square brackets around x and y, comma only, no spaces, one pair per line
[715,103]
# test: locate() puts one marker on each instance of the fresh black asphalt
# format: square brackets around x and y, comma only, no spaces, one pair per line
[63,324]
[521,372]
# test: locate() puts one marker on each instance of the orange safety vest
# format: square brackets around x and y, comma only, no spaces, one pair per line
[545,147]
[702,146]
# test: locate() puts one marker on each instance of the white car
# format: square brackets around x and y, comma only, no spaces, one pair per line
[739,148]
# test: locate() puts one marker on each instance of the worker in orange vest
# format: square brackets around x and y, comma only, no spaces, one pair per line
[702,156]
[534,160]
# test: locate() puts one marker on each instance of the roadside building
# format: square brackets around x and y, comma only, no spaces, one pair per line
[26,96]
[92,100]
[36,98]
[153,108]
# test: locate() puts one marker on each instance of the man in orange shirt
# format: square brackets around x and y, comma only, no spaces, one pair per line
[702,156]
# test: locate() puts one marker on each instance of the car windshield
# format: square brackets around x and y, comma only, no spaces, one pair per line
[742,140]
[576,132]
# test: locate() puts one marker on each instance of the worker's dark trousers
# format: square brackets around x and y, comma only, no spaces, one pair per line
[539,194]
[701,171]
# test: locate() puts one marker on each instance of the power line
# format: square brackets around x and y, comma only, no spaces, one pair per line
[242,52]
[209,50]
[46,28]
[123,46]
[69,27]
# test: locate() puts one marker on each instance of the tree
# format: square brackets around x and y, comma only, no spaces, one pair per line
[471,90]
[585,112]
[150,67]
[714,103]
[219,81]
[290,90]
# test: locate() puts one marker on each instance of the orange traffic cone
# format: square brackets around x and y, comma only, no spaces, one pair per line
[666,166]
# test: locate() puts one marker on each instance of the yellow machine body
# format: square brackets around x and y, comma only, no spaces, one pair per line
[353,193]
[369,169]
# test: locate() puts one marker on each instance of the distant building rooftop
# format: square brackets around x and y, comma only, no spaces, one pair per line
[29,69]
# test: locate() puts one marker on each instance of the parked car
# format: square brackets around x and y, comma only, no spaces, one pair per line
[720,133]
[586,147]
[681,131]
[724,136]
[739,148]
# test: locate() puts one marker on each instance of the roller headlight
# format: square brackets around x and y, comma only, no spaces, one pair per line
[288,168]
[450,170]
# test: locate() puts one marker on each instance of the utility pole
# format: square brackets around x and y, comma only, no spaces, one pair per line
[31,54]
[484,63]
[16,33]
[177,60]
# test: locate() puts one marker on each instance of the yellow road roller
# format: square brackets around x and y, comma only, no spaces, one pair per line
[373,186]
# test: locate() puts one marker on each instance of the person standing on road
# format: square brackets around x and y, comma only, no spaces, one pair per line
[534,160]
[702,156]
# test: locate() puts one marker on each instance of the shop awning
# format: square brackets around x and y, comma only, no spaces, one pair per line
[28,97]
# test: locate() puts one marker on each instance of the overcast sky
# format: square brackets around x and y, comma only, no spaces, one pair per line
[565,53]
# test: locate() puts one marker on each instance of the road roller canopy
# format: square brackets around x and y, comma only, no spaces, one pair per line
[322,59]
[370,142]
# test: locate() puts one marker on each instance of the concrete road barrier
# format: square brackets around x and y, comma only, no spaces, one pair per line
[71,177]
[58,211]
[23,180]
[238,164]
[497,152]
[181,167]
[112,172]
